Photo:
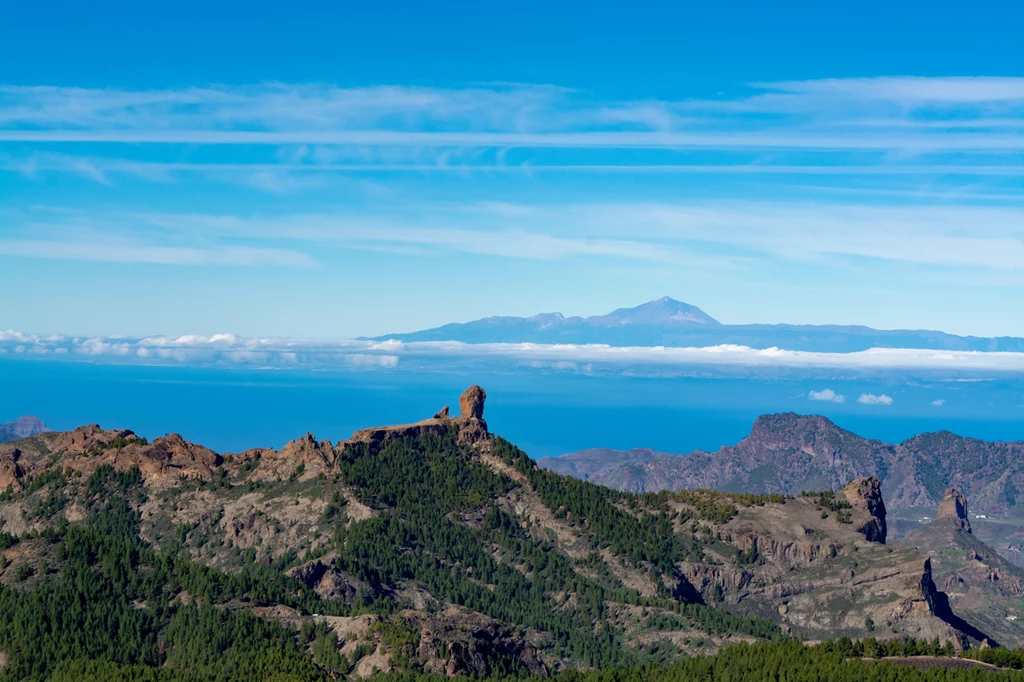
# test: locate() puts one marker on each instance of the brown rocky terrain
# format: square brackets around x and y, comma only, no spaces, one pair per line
[981,586]
[817,566]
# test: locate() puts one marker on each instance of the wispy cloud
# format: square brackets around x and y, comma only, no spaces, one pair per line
[818,115]
[720,235]
[938,403]
[99,168]
[163,255]
[872,399]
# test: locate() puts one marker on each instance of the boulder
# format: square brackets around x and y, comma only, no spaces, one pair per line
[443,414]
[471,403]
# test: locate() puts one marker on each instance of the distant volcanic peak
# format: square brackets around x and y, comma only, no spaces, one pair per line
[22,427]
[547,317]
[663,311]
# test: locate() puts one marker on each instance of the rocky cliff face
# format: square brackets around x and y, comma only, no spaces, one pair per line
[11,473]
[954,506]
[866,494]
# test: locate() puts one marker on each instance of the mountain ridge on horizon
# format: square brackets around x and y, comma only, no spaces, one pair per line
[668,322]
[785,453]
[22,427]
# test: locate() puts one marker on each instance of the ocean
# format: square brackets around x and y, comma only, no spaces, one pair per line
[545,413]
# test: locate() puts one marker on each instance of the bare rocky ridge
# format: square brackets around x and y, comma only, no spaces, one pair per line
[470,423]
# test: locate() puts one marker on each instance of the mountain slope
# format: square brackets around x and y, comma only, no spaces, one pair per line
[430,547]
[586,463]
[667,322]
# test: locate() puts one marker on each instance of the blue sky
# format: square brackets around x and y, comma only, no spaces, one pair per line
[321,170]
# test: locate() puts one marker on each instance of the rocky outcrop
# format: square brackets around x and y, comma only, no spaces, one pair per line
[954,506]
[89,437]
[11,472]
[471,403]
[161,462]
[301,459]
[866,494]
[331,584]
[173,456]
[472,427]
[470,424]
[462,642]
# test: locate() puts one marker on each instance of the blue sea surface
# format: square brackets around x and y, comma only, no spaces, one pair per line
[547,414]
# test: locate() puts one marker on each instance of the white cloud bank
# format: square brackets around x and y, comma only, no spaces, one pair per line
[273,352]
[827,395]
[872,399]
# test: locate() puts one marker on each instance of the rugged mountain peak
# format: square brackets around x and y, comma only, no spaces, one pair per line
[954,506]
[88,437]
[314,456]
[794,429]
[866,494]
